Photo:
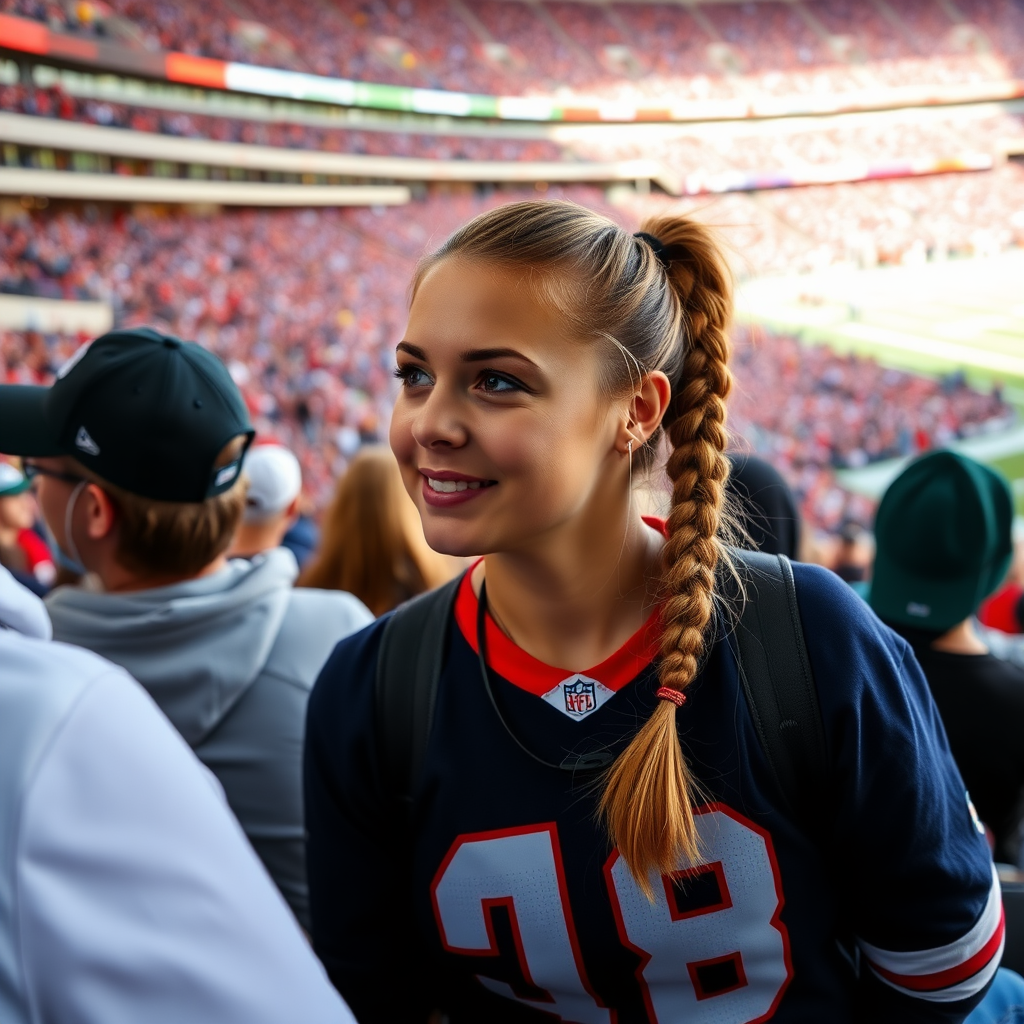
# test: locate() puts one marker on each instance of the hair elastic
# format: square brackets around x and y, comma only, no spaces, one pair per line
[657,245]
[673,696]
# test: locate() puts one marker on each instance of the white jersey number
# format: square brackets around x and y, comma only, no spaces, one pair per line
[712,948]
[715,922]
[521,872]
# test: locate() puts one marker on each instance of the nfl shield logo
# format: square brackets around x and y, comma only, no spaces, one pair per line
[579,696]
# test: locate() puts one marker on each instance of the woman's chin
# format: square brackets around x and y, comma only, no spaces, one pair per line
[454,547]
[450,540]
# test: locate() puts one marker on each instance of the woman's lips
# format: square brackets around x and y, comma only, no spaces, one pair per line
[445,489]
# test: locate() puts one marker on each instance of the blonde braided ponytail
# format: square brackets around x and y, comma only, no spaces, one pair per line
[647,802]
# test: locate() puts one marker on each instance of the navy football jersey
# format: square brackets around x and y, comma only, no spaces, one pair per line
[498,898]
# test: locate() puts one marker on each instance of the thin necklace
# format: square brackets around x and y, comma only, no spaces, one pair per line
[588,762]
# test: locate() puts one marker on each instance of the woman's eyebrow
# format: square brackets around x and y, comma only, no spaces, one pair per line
[412,350]
[477,355]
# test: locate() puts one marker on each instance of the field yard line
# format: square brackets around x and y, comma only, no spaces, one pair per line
[935,347]
[874,479]
[986,447]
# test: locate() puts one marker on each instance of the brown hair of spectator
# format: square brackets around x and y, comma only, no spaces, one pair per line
[170,538]
[372,540]
[664,310]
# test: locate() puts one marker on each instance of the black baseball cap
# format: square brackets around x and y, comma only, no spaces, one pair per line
[146,411]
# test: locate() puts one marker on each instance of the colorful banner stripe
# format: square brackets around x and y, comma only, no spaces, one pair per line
[24,36]
[704,183]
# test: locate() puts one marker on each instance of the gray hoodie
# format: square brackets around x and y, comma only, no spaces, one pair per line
[230,658]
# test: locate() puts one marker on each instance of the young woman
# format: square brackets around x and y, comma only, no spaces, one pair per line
[372,542]
[547,353]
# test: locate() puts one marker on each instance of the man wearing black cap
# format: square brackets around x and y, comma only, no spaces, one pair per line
[943,535]
[136,450]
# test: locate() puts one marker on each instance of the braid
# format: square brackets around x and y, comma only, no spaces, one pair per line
[647,803]
[698,469]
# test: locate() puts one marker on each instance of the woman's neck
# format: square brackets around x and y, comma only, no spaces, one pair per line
[573,600]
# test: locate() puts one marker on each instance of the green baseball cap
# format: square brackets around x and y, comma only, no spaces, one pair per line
[11,481]
[944,541]
[146,411]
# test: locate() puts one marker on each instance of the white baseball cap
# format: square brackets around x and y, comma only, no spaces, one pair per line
[275,480]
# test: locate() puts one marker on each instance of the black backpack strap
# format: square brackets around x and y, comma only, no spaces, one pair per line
[775,672]
[412,652]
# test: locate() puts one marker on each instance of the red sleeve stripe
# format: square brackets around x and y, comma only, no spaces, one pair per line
[952,976]
[951,972]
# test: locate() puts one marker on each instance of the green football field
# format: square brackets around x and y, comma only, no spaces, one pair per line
[933,318]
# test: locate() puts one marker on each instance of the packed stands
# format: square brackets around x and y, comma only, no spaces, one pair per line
[308,328]
[809,411]
[305,307]
[871,222]
[619,51]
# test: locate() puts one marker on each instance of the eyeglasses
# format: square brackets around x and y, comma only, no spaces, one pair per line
[32,471]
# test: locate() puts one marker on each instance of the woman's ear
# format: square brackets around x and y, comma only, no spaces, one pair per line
[646,410]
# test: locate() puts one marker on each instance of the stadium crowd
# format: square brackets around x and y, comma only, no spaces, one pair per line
[863,223]
[840,412]
[308,337]
[620,51]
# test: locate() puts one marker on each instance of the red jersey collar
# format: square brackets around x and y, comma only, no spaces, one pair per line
[511,662]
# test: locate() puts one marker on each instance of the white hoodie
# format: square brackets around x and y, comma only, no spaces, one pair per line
[128,892]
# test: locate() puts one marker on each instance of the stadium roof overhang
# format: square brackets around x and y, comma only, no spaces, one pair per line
[25,130]
[117,188]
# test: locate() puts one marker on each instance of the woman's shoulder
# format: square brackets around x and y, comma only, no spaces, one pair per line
[831,609]
[856,660]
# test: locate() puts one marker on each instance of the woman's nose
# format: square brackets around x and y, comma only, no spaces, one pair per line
[438,423]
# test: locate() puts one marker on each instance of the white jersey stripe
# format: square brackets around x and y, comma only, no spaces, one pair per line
[964,990]
[947,973]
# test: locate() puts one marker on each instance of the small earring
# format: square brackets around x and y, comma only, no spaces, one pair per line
[629,448]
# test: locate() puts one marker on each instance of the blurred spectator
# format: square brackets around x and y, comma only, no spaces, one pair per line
[943,545]
[127,890]
[852,557]
[22,550]
[1004,610]
[146,495]
[274,483]
[373,544]
[765,506]
[302,539]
